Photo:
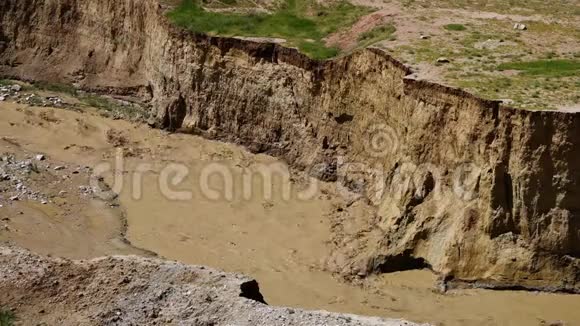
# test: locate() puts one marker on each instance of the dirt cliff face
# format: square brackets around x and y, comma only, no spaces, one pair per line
[481,193]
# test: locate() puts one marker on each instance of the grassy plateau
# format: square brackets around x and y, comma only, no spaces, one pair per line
[304,24]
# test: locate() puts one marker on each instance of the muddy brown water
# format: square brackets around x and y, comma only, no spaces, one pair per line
[280,242]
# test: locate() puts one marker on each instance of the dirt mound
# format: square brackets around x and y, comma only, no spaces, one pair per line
[125,290]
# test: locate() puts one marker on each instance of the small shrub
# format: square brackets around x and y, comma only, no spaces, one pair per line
[455,27]
[377,34]
[317,50]
[7,318]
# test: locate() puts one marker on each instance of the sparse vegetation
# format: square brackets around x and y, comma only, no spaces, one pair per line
[7,317]
[377,34]
[55,87]
[302,23]
[525,7]
[552,68]
[497,62]
[455,27]
[112,108]
[106,106]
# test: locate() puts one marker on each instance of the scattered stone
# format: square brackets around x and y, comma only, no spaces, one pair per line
[2,98]
[491,44]
[55,101]
[424,37]
[443,60]
[40,157]
[26,165]
[87,190]
[59,167]
[520,26]
[30,99]
[14,198]
[507,101]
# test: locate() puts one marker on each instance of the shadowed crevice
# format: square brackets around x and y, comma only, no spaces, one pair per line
[251,290]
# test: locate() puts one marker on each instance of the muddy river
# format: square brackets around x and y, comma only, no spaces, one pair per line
[217,216]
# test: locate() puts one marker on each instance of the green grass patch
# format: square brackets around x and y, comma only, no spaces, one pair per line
[317,50]
[113,109]
[7,318]
[551,68]
[5,82]
[455,27]
[377,34]
[302,23]
[55,87]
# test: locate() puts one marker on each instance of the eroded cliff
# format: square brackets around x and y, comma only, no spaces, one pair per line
[477,191]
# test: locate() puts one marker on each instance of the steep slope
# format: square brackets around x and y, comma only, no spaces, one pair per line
[478,192]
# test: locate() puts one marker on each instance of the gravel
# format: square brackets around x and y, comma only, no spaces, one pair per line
[132,290]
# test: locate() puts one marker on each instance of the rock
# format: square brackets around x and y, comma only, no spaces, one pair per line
[424,37]
[26,165]
[520,26]
[507,101]
[14,198]
[2,98]
[490,44]
[443,60]
[16,88]
[40,157]
[59,168]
